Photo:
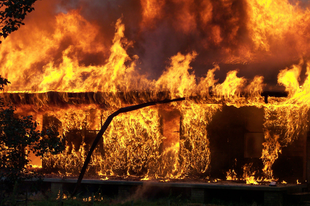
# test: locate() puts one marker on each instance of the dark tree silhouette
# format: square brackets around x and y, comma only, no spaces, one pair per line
[12,14]
[18,136]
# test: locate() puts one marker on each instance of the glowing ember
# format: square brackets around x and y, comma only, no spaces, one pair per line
[231,175]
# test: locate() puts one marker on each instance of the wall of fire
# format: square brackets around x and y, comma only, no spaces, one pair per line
[164,142]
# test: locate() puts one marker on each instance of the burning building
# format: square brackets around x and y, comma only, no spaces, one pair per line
[241,65]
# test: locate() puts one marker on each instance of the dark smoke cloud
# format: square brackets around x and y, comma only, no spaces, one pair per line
[302,3]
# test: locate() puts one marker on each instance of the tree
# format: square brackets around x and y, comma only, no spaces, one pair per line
[3,82]
[12,14]
[18,136]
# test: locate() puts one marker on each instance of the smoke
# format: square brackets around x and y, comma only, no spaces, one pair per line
[304,4]
[148,191]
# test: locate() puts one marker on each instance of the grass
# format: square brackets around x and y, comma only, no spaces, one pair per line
[170,201]
[110,202]
[50,199]
[41,200]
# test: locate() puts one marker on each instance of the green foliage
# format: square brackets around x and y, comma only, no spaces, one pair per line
[18,136]
[12,14]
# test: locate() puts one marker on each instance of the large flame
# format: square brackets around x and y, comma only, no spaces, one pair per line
[190,41]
